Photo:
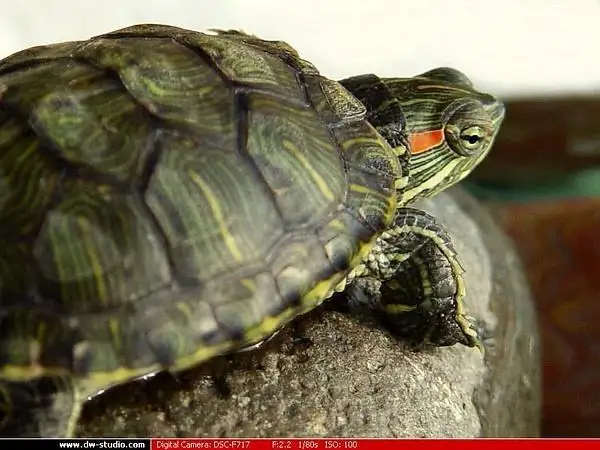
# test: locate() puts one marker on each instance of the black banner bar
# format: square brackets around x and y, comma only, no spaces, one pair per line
[76,444]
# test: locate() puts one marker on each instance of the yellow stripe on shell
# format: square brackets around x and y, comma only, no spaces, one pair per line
[218,215]
[317,178]
[97,267]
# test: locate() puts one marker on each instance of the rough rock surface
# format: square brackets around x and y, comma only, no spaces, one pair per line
[331,374]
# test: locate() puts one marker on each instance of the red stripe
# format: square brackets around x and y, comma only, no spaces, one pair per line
[422,142]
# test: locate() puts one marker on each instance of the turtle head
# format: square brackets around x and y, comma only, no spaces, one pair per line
[450,128]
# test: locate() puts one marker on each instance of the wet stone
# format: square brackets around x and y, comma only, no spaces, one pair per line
[330,374]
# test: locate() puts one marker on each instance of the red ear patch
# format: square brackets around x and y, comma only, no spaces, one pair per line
[422,142]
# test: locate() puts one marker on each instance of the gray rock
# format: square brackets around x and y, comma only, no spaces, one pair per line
[330,374]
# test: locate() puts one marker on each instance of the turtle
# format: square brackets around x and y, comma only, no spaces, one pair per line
[169,195]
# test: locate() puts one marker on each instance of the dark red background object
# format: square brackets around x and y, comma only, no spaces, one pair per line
[542,140]
[559,242]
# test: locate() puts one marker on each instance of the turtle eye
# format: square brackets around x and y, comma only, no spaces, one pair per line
[471,138]
[467,127]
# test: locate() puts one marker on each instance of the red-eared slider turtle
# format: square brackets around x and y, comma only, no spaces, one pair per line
[168,196]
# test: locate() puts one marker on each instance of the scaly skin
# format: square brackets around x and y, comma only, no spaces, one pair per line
[412,276]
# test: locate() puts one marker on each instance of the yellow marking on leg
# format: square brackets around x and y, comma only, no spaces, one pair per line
[457,270]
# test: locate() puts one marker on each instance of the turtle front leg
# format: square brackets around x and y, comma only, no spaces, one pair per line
[415,281]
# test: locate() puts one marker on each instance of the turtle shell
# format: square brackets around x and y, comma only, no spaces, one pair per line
[168,195]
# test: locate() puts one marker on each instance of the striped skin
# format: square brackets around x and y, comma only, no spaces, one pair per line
[412,274]
[438,106]
[168,196]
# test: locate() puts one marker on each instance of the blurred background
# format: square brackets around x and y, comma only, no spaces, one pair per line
[542,181]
